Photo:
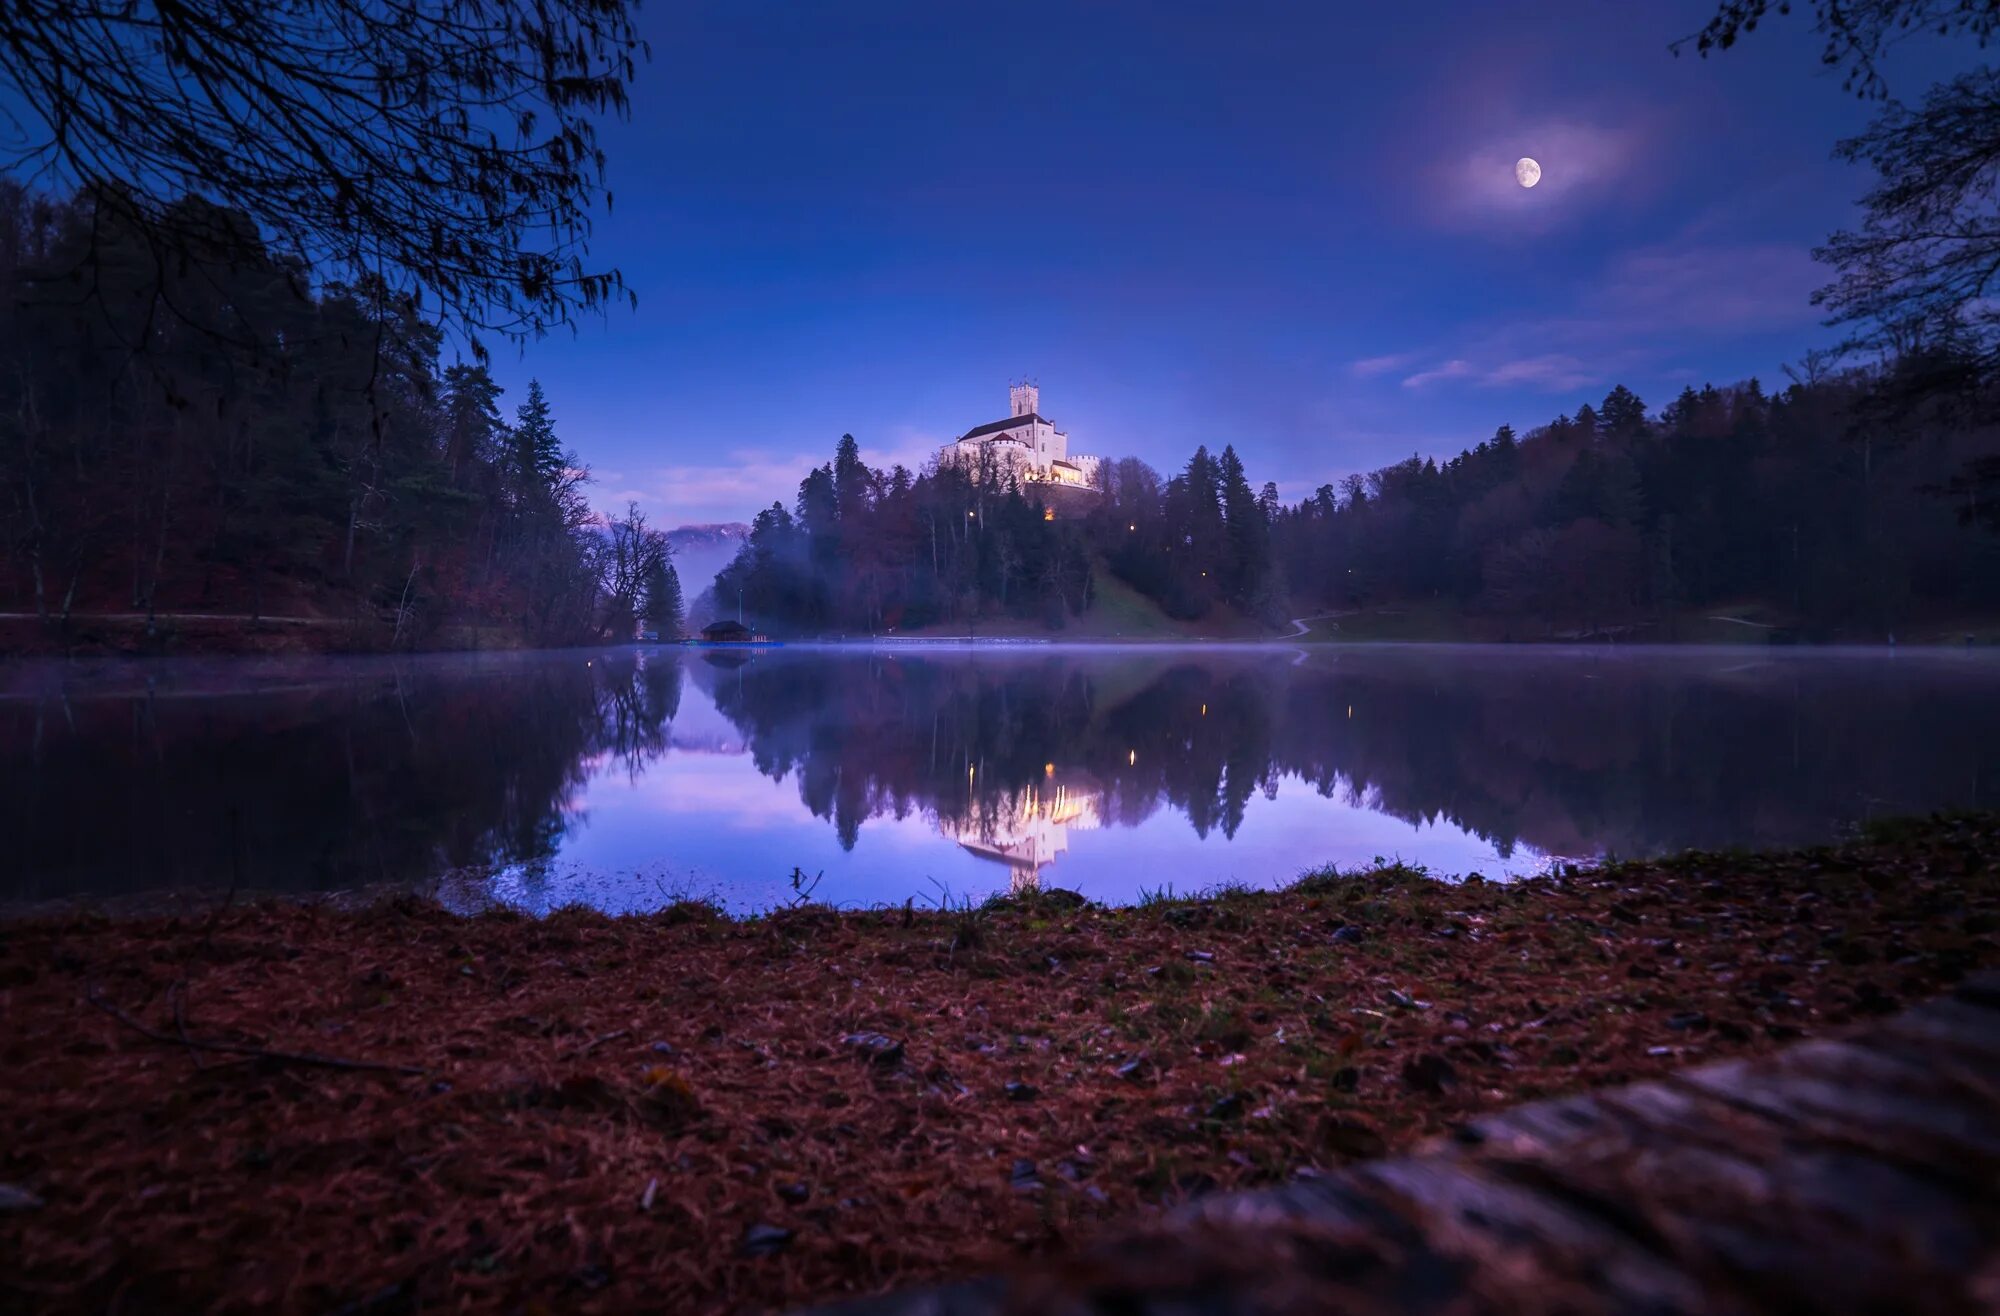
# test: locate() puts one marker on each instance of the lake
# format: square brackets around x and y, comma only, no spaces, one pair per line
[625,778]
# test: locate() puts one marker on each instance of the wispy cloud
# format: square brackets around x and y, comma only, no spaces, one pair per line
[1453,369]
[1554,372]
[1381,365]
[741,481]
[1708,285]
[1649,304]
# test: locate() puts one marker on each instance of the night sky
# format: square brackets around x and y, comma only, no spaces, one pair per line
[1291,230]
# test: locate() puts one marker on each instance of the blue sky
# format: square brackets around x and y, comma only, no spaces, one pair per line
[1292,228]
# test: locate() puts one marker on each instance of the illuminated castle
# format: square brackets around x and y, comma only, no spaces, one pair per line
[1027,829]
[1024,443]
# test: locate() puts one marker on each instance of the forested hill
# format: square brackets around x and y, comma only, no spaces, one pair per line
[202,431]
[1850,506]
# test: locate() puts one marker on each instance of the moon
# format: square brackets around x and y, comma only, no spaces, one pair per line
[1527,171]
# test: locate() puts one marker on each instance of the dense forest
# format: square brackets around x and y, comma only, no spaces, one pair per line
[1851,504]
[205,430]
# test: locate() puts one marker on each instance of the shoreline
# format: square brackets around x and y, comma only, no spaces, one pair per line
[295,1107]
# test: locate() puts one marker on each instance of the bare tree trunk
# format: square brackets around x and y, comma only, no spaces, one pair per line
[403,603]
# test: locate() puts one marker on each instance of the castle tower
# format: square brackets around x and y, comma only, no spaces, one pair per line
[1027,399]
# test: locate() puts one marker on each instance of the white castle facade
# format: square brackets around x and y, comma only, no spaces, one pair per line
[1025,443]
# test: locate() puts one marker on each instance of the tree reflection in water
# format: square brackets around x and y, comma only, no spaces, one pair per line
[318,774]
[1589,753]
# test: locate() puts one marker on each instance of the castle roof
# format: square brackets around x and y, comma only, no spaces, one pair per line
[995,426]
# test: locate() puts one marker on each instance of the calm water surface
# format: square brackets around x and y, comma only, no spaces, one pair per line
[624,778]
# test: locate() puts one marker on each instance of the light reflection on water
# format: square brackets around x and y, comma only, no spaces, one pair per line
[627,778]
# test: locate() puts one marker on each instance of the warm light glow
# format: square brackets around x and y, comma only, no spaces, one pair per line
[1204,710]
[1132,527]
[1131,757]
[1048,769]
[1048,514]
[1350,710]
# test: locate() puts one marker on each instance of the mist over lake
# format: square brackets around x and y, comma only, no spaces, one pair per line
[627,778]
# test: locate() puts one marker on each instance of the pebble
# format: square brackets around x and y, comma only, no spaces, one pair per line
[13,1198]
[764,1240]
[875,1047]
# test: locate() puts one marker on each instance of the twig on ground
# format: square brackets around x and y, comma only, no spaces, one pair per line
[600,1040]
[239,1049]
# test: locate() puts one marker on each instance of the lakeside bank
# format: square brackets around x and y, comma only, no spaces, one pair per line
[285,1106]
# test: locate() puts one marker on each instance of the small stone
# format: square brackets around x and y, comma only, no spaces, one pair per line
[1227,1107]
[1346,1079]
[665,1049]
[1023,1178]
[1687,1020]
[1349,935]
[794,1192]
[875,1048]
[1201,957]
[1401,1000]
[764,1240]
[1021,1091]
[13,1198]
[1135,1070]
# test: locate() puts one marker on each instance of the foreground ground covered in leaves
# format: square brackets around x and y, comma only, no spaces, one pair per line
[305,1109]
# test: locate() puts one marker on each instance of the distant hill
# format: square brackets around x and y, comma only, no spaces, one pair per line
[702,550]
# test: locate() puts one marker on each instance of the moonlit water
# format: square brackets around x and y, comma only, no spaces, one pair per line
[627,778]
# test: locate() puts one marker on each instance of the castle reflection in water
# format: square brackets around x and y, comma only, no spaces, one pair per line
[1027,829]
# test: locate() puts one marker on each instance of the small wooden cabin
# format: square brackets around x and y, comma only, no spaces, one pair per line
[727,632]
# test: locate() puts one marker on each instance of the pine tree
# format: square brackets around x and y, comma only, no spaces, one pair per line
[539,460]
[664,607]
[473,430]
[850,481]
[1247,556]
[1624,415]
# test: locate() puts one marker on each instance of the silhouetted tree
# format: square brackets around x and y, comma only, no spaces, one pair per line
[436,157]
